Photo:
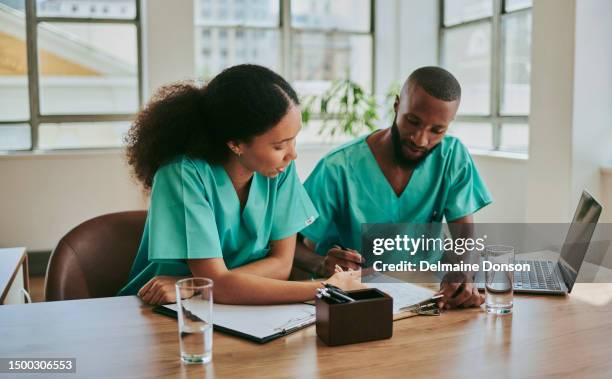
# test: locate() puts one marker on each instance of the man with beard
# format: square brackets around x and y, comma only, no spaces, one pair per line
[411,172]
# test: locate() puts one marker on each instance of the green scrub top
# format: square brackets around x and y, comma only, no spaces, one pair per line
[348,188]
[195,213]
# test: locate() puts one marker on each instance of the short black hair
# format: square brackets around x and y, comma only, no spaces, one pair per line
[437,82]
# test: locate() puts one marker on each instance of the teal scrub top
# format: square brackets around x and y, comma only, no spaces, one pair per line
[348,188]
[195,213]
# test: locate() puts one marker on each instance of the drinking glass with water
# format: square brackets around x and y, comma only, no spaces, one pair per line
[194,302]
[498,281]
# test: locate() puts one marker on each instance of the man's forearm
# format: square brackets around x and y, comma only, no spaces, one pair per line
[462,229]
[306,259]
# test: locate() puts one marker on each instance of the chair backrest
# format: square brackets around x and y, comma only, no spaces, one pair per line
[94,259]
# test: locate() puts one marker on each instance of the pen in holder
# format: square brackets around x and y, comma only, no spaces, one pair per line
[368,317]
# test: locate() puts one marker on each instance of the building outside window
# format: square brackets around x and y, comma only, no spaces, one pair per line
[70,73]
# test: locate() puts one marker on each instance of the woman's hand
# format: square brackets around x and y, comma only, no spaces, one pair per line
[347,280]
[159,290]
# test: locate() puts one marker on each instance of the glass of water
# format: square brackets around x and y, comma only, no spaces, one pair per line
[194,300]
[499,279]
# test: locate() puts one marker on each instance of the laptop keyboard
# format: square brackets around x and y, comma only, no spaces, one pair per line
[541,276]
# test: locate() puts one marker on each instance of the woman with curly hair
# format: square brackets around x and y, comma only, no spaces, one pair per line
[226,202]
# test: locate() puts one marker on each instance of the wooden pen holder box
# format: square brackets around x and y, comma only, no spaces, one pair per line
[368,318]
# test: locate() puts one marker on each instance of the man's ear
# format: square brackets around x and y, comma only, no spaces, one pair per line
[396,103]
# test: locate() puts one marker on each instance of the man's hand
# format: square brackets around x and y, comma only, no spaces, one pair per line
[458,291]
[159,290]
[345,258]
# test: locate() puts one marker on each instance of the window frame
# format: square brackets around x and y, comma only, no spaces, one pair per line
[287,31]
[495,117]
[32,20]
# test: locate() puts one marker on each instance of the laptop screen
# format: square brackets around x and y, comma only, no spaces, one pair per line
[578,238]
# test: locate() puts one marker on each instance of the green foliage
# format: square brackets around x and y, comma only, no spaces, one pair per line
[345,108]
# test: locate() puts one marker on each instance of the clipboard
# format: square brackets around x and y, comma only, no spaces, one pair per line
[227,327]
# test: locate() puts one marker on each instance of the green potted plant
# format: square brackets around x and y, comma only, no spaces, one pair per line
[345,108]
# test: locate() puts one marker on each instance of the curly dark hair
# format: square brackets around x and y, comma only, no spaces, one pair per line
[185,118]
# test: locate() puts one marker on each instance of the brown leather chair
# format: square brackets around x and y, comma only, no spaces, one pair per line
[94,259]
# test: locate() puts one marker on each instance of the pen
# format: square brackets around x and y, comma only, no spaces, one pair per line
[341,296]
[337,293]
[423,304]
[332,287]
[341,247]
[458,290]
[321,295]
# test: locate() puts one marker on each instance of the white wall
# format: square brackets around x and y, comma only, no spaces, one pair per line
[592,118]
[505,178]
[570,127]
[43,196]
[168,44]
[552,66]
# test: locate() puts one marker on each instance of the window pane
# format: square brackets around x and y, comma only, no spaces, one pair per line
[82,135]
[14,103]
[15,137]
[473,135]
[237,12]
[515,138]
[219,48]
[517,63]
[351,15]
[121,9]
[512,5]
[466,52]
[458,11]
[87,68]
[318,59]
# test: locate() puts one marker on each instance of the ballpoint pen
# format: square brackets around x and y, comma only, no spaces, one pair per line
[425,307]
[321,294]
[332,287]
[341,296]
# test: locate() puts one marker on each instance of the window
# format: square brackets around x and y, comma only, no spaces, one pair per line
[486,44]
[70,73]
[311,43]
[233,33]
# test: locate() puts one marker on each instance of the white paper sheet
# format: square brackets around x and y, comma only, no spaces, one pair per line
[260,321]
[403,294]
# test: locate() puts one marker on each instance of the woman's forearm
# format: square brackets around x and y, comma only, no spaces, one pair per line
[268,267]
[234,287]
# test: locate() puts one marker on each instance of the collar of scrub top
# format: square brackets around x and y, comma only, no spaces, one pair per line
[252,216]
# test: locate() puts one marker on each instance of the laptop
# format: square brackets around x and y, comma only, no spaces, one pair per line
[558,278]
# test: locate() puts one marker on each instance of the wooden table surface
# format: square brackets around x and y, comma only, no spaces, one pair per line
[119,337]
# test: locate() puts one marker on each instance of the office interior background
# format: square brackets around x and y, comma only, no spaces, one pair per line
[536,110]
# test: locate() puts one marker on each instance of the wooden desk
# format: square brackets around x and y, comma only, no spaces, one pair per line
[119,337]
[13,275]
